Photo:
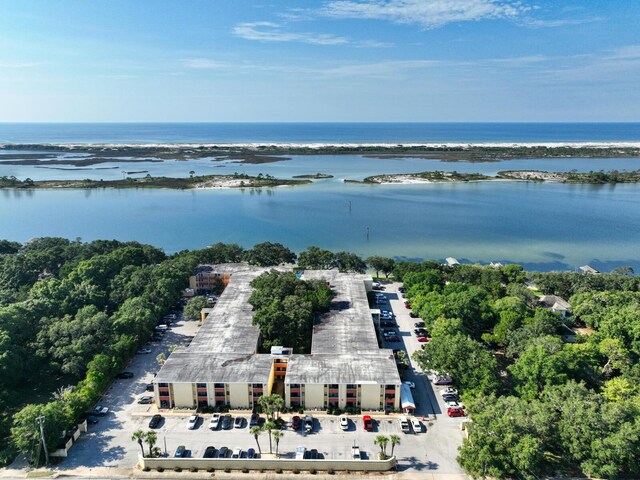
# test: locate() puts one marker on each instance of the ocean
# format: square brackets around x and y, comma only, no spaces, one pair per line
[316,132]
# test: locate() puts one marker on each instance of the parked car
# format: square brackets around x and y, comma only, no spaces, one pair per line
[455,412]
[355,452]
[416,425]
[401,289]
[237,453]
[449,391]
[149,387]
[442,380]
[419,324]
[388,323]
[413,315]
[420,332]
[209,452]
[214,421]
[367,422]
[155,421]
[156,338]
[344,422]
[144,350]
[238,422]
[308,423]
[404,424]
[145,399]
[193,421]
[251,453]
[123,375]
[100,410]
[376,286]
[449,397]
[410,384]
[181,451]
[393,339]
[255,420]
[92,419]
[223,452]
[407,304]
[423,339]
[313,454]
[227,422]
[295,422]
[300,452]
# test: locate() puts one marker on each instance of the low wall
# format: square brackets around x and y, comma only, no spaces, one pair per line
[267,464]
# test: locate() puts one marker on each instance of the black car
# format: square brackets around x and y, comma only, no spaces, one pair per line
[227,423]
[313,454]
[413,315]
[123,375]
[401,289]
[181,451]
[149,387]
[255,420]
[156,338]
[155,421]
[210,452]
[419,324]
[92,419]
[223,452]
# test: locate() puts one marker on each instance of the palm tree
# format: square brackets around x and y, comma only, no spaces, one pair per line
[277,435]
[256,431]
[268,427]
[152,438]
[381,441]
[139,436]
[271,404]
[395,440]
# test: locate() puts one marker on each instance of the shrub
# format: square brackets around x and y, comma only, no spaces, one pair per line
[211,469]
[160,469]
[227,470]
[278,470]
[295,470]
[245,470]
[177,469]
[146,469]
[331,471]
[313,471]
[193,469]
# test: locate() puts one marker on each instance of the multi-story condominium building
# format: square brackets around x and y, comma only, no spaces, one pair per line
[222,366]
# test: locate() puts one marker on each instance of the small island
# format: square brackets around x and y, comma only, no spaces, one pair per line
[314,176]
[193,182]
[592,178]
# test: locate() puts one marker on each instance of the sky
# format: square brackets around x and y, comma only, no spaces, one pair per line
[319,61]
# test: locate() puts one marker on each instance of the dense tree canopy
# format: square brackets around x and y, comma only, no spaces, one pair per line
[268,254]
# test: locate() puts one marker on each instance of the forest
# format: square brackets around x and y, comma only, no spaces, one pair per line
[539,405]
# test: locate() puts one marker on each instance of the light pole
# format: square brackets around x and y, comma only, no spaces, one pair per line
[164,436]
[40,421]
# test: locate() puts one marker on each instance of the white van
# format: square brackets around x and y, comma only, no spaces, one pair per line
[355,453]
[300,452]
[404,424]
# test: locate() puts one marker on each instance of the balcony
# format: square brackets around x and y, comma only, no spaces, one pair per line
[390,391]
[219,390]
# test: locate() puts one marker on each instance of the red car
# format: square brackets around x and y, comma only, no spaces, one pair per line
[295,422]
[455,412]
[407,304]
[368,423]
[423,339]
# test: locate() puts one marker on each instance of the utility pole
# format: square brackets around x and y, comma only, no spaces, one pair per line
[40,421]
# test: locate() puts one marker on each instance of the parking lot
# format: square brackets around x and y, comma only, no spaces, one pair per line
[109,444]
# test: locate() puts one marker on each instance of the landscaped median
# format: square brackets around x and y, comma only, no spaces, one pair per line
[275,464]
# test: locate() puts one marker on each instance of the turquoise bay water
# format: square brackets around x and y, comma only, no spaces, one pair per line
[544,226]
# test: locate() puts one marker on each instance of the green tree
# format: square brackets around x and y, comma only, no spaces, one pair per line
[315,258]
[381,441]
[269,254]
[395,440]
[381,264]
[139,436]
[194,306]
[277,435]
[271,405]
[349,262]
[256,431]
[269,427]
[152,439]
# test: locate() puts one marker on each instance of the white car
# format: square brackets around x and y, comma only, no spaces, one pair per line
[416,425]
[193,421]
[344,422]
[144,350]
[410,384]
[449,391]
[214,421]
[100,410]
[453,404]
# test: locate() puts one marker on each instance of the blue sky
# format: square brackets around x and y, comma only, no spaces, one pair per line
[351,60]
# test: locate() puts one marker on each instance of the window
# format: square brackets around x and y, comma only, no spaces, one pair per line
[201,385]
[218,385]
[257,385]
[390,387]
[294,385]
[333,385]
[163,385]
[352,386]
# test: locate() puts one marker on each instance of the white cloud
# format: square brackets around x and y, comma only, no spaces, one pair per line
[426,13]
[17,65]
[542,23]
[272,32]
[627,52]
